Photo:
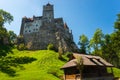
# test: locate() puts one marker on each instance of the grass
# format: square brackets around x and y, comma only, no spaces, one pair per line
[116,72]
[45,67]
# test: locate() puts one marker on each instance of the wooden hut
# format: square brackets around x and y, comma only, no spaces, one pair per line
[94,68]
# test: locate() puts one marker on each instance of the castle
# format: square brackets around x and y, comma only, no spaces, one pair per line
[40,31]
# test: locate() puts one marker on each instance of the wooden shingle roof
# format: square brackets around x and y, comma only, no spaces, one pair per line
[88,60]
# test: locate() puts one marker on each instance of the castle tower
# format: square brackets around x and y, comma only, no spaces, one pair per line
[40,31]
[48,13]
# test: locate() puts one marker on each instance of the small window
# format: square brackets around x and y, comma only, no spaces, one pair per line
[26,31]
[26,27]
[29,30]
[36,25]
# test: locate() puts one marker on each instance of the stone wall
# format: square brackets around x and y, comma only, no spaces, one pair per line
[47,35]
[50,30]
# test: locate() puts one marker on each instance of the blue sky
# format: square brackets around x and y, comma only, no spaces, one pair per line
[82,16]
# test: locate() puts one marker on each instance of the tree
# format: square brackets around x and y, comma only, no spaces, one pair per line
[51,47]
[1,20]
[3,34]
[83,42]
[12,36]
[115,41]
[111,49]
[97,41]
[115,49]
[80,66]
[107,49]
[117,23]
[20,43]
[5,17]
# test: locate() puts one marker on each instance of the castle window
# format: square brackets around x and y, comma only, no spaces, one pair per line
[36,29]
[36,25]
[29,30]
[25,27]
[26,31]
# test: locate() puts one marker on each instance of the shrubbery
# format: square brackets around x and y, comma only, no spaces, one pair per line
[21,46]
[51,47]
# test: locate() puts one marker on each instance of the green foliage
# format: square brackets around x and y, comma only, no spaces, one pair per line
[116,71]
[20,39]
[107,50]
[68,54]
[117,23]
[107,46]
[3,32]
[83,42]
[5,17]
[20,43]
[23,60]
[5,49]
[7,64]
[21,46]
[1,20]
[44,66]
[111,46]
[79,63]
[97,41]
[12,36]
[116,50]
[50,47]
[54,71]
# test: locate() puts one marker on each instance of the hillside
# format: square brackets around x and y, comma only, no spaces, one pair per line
[46,66]
[36,65]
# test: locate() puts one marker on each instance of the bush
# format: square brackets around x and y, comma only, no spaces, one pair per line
[29,44]
[50,47]
[54,71]
[24,60]
[21,46]
[69,54]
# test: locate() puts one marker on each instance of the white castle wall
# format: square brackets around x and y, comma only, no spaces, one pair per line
[31,27]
